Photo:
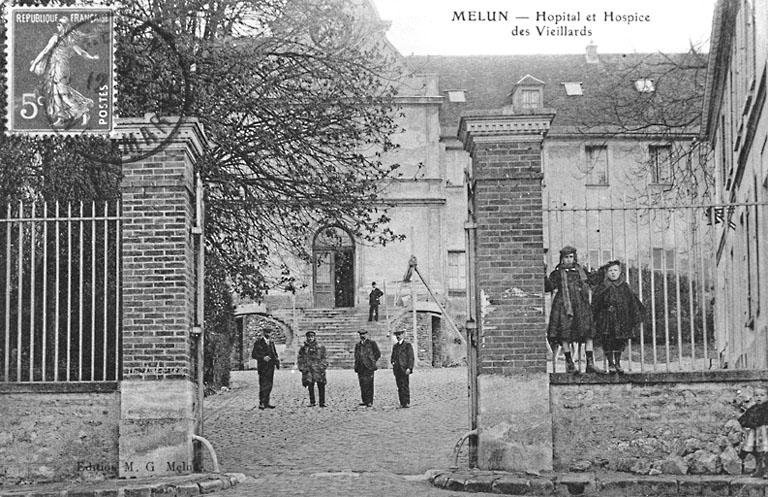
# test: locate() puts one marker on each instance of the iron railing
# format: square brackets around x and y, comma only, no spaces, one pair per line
[669,259]
[60,292]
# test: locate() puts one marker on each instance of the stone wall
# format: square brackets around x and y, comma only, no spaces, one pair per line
[253,326]
[47,436]
[437,347]
[648,424]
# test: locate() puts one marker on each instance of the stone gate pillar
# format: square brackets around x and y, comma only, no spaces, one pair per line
[158,393]
[513,414]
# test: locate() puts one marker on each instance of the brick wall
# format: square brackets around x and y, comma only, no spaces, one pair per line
[509,399]
[675,423]
[507,205]
[55,436]
[158,265]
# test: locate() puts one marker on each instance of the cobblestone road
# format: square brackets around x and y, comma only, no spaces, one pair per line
[342,449]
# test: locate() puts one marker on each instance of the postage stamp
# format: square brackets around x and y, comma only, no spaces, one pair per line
[61,70]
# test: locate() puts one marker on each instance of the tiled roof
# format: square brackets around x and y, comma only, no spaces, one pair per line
[609,93]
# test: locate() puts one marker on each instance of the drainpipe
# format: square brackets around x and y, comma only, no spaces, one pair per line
[473,313]
[198,330]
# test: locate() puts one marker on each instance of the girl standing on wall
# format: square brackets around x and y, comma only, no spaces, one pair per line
[617,312]
[570,320]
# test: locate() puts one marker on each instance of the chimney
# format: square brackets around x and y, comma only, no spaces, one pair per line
[592,57]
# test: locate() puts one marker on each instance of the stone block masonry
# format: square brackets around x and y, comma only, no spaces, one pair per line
[656,423]
[54,435]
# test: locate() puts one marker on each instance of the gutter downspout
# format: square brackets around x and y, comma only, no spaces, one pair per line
[473,313]
[198,331]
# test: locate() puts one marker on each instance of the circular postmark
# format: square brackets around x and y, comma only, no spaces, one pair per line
[76,87]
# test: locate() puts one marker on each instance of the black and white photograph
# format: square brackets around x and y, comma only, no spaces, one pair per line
[383,248]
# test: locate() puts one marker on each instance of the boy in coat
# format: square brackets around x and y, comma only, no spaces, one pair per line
[402,365]
[312,363]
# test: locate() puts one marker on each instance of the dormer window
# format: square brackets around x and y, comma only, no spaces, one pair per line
[530,99]
[528,93]
[457,96]
[644,85]
[573,88]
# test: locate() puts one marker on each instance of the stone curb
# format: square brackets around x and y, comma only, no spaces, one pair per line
[158,487]
[597,484]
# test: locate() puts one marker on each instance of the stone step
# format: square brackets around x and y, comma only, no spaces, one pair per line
[337,331]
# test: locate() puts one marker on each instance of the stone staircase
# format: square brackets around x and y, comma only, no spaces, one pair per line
[337,330]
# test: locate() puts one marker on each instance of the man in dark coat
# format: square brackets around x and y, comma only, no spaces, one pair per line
[374,299]
[402,365]
[265,353]
[312,363]
[366,355]
[617,313]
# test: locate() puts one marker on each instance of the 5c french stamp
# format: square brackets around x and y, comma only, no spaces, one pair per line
[61,71]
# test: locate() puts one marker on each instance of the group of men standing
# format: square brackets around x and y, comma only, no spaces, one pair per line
[312,362]
[402,360]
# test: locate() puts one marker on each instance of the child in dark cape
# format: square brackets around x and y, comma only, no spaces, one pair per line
[617,312]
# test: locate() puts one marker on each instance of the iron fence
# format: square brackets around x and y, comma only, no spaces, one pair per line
[60,301]
[669,260]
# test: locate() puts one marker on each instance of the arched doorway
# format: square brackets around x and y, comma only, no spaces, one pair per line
[333,271]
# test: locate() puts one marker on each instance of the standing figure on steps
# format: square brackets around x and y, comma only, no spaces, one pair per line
[570,320]
[312,363]
[374,299]
[617,312]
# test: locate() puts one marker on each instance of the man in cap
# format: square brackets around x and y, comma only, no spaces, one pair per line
[402,365]
[312,363]
[265,353]
[374,299]
[366,355]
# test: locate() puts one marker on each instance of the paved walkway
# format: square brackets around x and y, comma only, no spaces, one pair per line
[343,449]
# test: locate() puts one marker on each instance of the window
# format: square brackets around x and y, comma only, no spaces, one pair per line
[457,276]
[597,164]
[594,260]
[457,96]
[573,89]
[723,153]
[645,85]
[748,268]
[663,258]
[530,99]
[323,264]
[660,158]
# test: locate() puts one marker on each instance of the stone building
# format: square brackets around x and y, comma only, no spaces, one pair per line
[590,159]
[737,127]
